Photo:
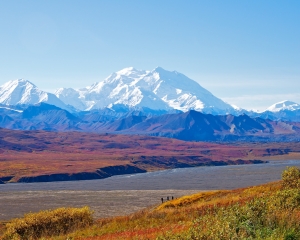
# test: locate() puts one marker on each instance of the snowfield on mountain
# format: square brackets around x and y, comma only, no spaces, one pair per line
[156,89]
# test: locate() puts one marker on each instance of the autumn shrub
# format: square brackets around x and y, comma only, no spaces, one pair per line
[291,178]
[48,223]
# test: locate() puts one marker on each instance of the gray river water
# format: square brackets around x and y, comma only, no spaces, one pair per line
[124,194]
[205,178]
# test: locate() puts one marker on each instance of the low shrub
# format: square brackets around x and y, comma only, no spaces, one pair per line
[291,178]
[48,223]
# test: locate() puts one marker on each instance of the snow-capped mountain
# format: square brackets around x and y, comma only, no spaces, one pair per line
[156,89]
[284,105]
[118,88]
[71,97]
[22,91]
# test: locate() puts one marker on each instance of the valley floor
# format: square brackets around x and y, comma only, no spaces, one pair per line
[125,194]
[103,203]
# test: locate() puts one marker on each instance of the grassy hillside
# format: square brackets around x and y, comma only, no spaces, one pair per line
[269,211]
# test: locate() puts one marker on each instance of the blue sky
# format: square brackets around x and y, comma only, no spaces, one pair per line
[245,52]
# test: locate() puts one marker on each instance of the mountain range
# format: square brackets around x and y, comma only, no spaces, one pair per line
[190,126]
[130,88]
[157,89]
[157,103]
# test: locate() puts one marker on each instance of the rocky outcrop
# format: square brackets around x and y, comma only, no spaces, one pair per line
[5,179]
[120,170]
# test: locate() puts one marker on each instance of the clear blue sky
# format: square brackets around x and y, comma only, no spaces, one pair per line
[245,52]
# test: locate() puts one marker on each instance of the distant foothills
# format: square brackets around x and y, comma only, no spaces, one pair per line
[156,103]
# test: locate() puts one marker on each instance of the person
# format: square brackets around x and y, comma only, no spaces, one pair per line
[172,197]
[167,198]
[162,200]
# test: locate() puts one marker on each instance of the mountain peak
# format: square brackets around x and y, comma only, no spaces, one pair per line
[284,105]
[129,72]
[131,87]
[17,82]
[21,91]
[158,69]
[156,89]
[125,71]
[164,71]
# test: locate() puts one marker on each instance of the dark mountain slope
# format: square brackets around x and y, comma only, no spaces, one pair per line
[194,125]
[189,126]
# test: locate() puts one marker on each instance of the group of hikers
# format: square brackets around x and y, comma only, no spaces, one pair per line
[162,199]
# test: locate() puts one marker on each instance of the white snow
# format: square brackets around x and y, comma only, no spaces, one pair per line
[283,105]
[22,91]
[16,110]
[236,107]
[156,89]
[178,91]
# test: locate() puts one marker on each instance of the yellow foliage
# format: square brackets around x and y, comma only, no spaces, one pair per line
[188,200]
[291,178]
[48,223]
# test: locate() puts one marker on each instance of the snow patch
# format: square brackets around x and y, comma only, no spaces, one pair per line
[284,105]
[11,109]
[178,91]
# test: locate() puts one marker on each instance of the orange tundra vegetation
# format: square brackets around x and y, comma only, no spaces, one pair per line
[35,153]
